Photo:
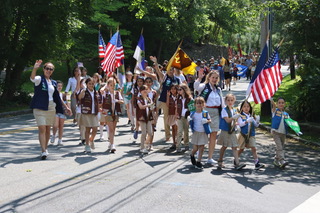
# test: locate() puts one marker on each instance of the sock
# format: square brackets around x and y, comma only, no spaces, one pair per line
[101,131]
[256,161]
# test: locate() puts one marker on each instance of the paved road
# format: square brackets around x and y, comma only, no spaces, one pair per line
[163,181]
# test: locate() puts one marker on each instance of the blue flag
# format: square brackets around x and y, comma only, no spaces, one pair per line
[242,70]
[139,53]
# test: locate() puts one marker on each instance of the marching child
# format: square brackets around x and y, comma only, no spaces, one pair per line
[89,110]
[199,123]
[80,86]
[60,118]
[135,94]
[183,112]
[127,87]
[152,94]
[144,117]
[111,110]
[246,138]
[172,96]
[228,136]
[279,130]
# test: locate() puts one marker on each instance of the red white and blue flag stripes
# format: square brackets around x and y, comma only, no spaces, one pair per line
[265,82]
[114,55]
[101,45]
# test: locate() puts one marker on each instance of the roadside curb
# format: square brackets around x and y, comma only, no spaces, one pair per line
[292,136]
[14,113]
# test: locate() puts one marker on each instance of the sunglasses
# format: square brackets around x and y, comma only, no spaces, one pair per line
[48,68]
[180,89]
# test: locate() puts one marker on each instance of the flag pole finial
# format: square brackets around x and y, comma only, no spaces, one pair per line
[99,26]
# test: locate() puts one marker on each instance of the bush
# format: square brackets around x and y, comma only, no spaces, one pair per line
[306,106]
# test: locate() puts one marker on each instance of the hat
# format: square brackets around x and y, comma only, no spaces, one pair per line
[129,73]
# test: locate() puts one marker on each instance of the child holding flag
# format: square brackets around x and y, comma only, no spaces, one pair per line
[279,129]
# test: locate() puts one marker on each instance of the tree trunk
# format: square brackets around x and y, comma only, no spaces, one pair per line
[159,51]
[13,73]
[292,68]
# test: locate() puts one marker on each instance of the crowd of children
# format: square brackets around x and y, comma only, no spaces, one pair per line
[97,103]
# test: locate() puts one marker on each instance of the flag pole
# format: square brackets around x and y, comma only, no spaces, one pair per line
[98,49]
[141,30]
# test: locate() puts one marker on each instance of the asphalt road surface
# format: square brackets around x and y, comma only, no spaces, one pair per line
[162,181]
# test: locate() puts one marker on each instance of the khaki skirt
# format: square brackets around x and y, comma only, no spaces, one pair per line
[89,120]
[227,140]
[199,138]
[172,120]
[45,118]
[215,118]
[243,144]
[109,118]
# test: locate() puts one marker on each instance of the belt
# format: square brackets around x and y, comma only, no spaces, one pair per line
[212,106]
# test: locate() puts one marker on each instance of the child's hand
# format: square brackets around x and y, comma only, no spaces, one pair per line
[189,118]
[204,121]
[257,118]
[249,120]
[236,116]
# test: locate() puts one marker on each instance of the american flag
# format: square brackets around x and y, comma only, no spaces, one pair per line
[114,55]
[101,45]
[268,80]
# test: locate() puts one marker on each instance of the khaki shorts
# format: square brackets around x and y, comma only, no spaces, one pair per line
[45,118]
[243,144]
[227,140]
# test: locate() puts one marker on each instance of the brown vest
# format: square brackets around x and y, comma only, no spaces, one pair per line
[141,114]
[172,106]
[135,97]
[86,103]
[107,104]
[180,107]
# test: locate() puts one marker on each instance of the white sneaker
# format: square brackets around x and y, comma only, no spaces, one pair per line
[87,149]
[113,148]
[44,155]
[144,151]
[211,161]
[92,145]
[101,139]
[60,142]
[52,139]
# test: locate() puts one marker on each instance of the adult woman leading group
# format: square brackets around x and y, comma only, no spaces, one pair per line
[46,102]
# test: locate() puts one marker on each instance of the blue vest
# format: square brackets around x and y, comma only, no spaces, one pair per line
[166,85]
[40,99]
[245,128]
[276,119]
[223,125]
[206,126]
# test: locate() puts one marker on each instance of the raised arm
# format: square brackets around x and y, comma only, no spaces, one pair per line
[35,68]
[160,74]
